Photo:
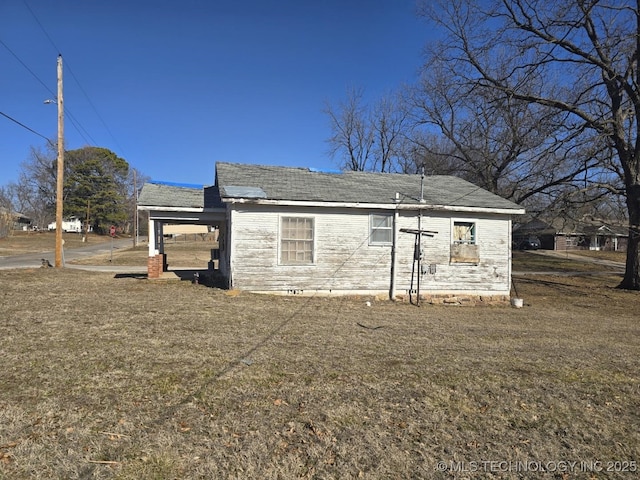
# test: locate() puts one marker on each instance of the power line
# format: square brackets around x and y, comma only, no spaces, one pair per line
[27,128]
[95,110]
[69,114]
[40,25]
[76,123]
[77,83]
[27,68]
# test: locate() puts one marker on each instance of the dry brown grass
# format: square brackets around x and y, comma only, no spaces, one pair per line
[528,261]
[192,251]
[126,378]
[36,242]
[602,255]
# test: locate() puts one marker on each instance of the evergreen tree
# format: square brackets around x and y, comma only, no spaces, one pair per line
[95,187]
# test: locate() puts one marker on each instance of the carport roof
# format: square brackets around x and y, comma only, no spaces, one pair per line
[164,194]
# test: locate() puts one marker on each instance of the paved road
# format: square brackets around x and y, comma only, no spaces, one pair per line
[34,260]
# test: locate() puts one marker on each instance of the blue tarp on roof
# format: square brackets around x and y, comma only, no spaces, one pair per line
[176,184]
[324,170]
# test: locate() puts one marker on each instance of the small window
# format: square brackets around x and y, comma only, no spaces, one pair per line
[464,233]
[296,241]
[381,229]
[464,247]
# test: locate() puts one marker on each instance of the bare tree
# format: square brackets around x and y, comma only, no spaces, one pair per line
[6,211]
[135,181]
[428,152]
[365,137]
[510,147]
[578,57]
[34,194]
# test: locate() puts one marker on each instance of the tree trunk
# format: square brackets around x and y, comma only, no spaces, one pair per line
[631,280]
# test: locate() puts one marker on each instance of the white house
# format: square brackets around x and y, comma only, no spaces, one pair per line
[299,231]
[73,225]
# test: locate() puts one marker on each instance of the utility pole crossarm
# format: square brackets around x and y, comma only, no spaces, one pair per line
[415,231]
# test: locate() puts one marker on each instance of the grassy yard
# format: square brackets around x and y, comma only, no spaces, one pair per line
[528,261]
[125,378]
[35,242]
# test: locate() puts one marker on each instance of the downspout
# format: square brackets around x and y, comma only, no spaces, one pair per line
[394,243]
[420,234]
[418,254]
[510,248]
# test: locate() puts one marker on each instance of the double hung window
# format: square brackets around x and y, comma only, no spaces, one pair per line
[381,229]
[296,240]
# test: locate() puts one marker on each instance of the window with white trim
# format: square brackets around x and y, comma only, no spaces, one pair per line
[381,229]
[296,240]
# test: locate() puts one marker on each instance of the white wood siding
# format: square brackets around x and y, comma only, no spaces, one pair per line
[345,261]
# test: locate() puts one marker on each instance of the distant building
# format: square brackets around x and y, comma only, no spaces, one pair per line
[13,220]
[73,225]
[565,234]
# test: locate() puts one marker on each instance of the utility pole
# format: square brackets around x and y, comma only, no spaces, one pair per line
[60,175]
[135,209]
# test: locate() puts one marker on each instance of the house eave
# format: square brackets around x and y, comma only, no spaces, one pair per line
[180,209]
[168,208]
[184,214]
[376,206]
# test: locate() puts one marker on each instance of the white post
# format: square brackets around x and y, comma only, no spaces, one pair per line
[152,238]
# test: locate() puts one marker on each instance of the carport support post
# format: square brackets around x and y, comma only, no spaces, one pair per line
[152,238]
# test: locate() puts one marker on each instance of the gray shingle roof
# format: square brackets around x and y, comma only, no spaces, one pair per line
[302,184]
[162,195]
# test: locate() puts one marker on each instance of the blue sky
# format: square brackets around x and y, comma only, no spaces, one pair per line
[172,86]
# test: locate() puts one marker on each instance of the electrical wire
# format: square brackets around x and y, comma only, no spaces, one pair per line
[76,123]
[81,130]
[27,128]
[27,68]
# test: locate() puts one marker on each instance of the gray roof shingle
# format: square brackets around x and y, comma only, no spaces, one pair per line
[163,195]
[302,184]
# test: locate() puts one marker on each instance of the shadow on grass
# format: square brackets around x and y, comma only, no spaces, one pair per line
[208,278]
[138,276]
[568,287]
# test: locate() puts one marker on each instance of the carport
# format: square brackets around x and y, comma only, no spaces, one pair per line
[174,203]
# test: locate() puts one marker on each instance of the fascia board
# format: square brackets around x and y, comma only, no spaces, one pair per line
[377,206]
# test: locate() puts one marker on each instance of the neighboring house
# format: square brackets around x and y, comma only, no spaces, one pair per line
[13,220]
[563,234]
[73,225]
[300,231]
